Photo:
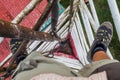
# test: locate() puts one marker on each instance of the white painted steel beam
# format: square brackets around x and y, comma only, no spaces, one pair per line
[115,14]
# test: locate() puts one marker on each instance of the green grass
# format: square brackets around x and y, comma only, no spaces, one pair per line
[104,14]
[65,3]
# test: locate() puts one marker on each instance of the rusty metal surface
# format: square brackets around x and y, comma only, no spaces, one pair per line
[10,30]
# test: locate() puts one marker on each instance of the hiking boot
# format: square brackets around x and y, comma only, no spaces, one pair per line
[103,38]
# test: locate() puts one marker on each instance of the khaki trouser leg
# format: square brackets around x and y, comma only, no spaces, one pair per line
[44,65]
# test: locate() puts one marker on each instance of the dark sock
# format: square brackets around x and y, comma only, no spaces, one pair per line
[99,47]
